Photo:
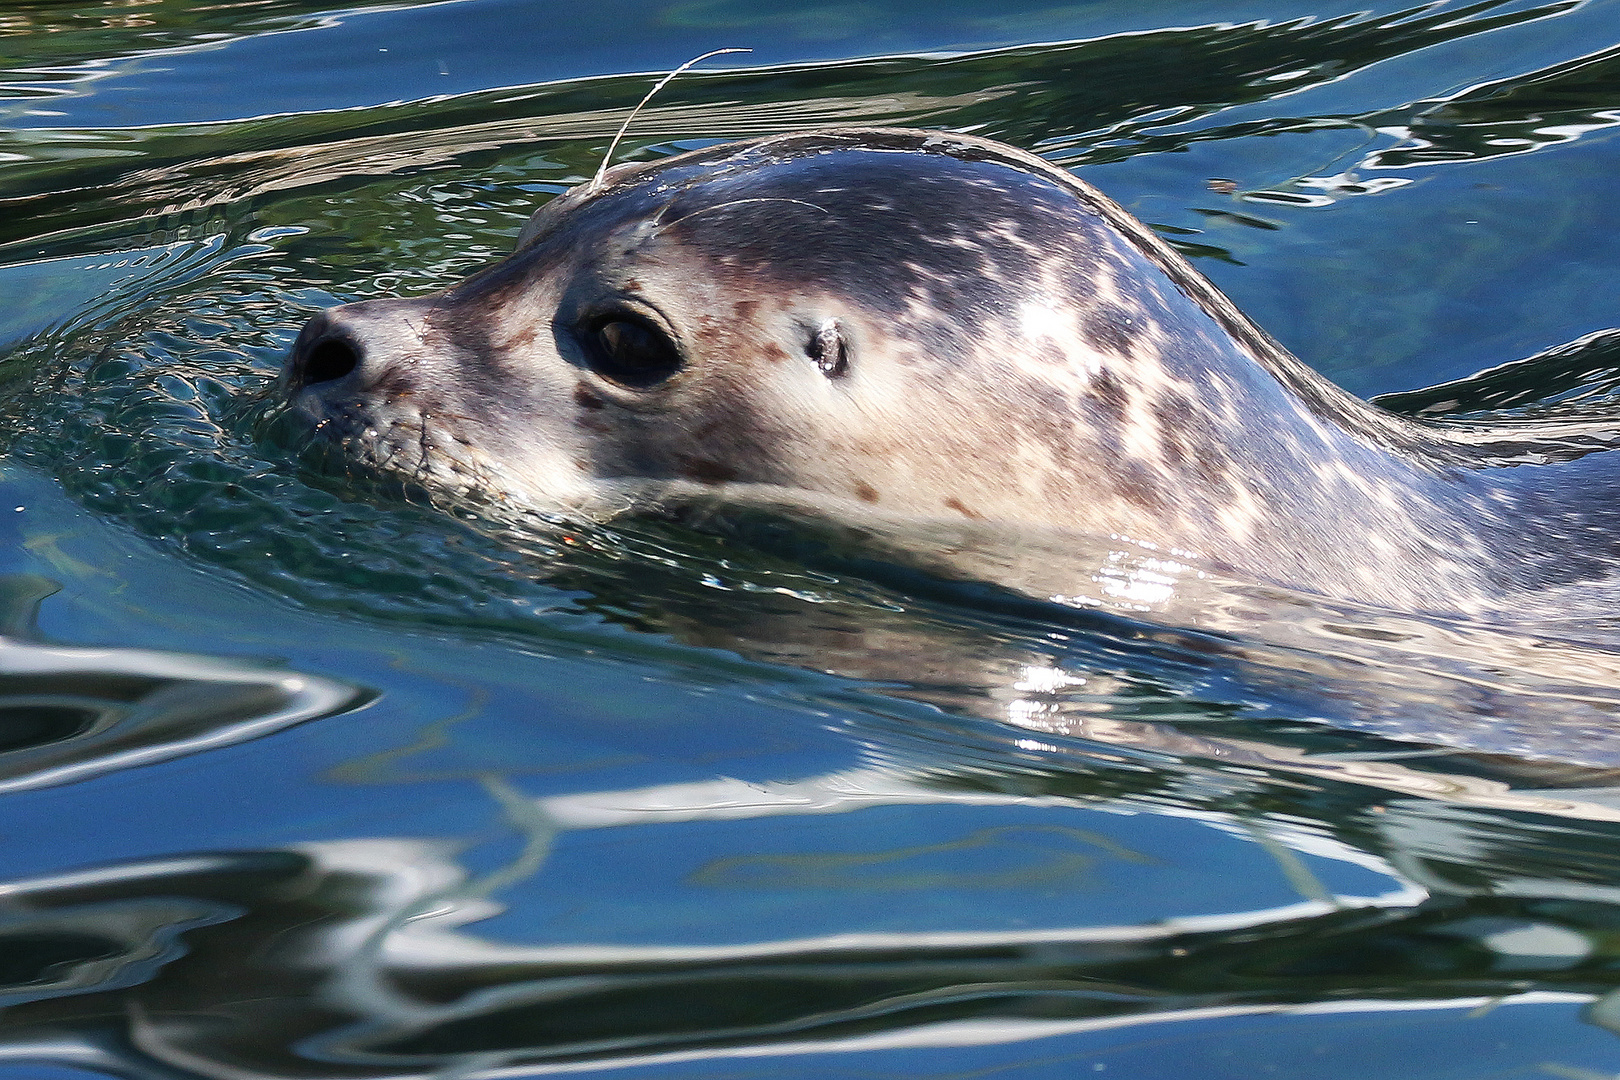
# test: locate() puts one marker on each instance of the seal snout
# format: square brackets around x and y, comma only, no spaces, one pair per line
[327,349]
[355,350]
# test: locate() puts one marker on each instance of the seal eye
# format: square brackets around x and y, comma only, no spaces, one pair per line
[630,352]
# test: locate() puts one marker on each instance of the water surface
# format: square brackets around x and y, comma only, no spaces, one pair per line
[301,775]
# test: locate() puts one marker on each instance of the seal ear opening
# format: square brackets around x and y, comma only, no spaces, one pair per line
[829,348]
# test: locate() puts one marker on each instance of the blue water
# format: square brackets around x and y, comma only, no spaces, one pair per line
[302,777]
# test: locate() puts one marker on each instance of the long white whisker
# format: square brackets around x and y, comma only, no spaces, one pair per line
[661,225]
[601,169]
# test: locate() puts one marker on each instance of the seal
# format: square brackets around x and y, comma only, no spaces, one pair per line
[939,328]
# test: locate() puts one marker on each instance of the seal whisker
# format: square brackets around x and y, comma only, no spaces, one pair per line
[607,158]
[424,446]
[659,224]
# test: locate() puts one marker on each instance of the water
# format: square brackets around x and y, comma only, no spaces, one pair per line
[301,775]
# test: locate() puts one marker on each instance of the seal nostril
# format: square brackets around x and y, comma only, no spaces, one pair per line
[330,359]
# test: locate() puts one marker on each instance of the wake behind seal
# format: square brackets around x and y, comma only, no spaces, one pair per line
[925,326]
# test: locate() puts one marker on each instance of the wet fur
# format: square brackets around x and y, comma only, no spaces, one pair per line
[1020,350]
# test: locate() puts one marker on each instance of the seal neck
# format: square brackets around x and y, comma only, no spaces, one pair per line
[1499,522]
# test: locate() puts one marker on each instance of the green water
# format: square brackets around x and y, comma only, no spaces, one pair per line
[302,776]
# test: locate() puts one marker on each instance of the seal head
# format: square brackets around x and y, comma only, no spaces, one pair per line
[905,323]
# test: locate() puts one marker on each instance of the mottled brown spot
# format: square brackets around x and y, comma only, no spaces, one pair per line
[585,399]
[1046,416]
[1179,427]
[866,491]
[1113,328]
[745,309]
[1189,439]
[954,503]
[1109,395]
[1212,470]
[709,428]
[1139,487]
[705,471]
[522,339]
[773,352]
[1176,410]
[1173,447]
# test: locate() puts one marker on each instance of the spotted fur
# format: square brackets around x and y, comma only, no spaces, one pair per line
[1009,345]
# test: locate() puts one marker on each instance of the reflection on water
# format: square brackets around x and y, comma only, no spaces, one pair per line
[1123,812]
[1510,116]
[1152,91]
[1130,631]
[68,714]
[364,955]
[1573,382]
